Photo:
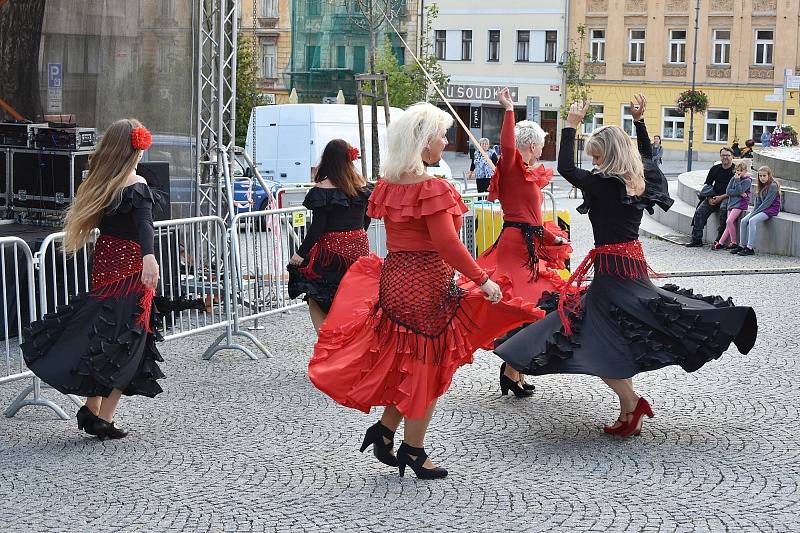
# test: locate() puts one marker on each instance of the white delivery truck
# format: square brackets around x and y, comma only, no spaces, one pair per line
[286,141]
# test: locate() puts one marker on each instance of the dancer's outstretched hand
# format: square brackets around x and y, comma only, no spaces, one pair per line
[576,113]
[492,291]
[504,97]
[638,106]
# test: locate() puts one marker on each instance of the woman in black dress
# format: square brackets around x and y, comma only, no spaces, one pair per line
[102,344]
[623,324]
[337,236]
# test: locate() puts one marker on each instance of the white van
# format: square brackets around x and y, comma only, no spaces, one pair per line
[287,140]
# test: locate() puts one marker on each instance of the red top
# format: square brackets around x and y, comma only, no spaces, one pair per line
[517,186]
[424,216]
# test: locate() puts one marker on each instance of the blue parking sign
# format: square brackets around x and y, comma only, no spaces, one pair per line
[54,75]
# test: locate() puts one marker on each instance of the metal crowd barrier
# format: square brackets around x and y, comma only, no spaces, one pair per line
[194,257]
[19,310]
[262,242]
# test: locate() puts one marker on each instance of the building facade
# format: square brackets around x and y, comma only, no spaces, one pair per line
[745,51]
[270,28]
[485,46]
[330,44]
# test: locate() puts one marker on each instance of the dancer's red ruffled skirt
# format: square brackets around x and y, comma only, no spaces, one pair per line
[369,354]
[509,258]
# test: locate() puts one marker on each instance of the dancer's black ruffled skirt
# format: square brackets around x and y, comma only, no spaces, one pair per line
[628,326]
[90,347]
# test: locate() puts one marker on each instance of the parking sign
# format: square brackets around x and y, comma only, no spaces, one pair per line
[54,86]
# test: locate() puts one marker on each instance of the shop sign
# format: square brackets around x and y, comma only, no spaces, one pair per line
[485,93]
[475,117]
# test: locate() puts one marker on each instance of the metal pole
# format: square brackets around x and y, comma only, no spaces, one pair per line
[694,80]
[786,73]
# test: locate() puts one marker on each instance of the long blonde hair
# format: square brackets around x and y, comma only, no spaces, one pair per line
[761,188]
[109,167]
[408,137]
[620,157]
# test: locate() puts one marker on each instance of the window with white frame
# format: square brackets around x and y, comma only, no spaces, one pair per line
[673,124]
[466,45]
[597,46]
[269,56]
[722,47]
[523,46]
[550,46]
[440,44]
[493,53]
[717,125]
[761,121]
[453,45]
[596,122]
[677,46]
[764,44]
[636,46]
[627,121]
[269,8]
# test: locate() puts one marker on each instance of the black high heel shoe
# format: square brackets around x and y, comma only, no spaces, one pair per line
[106,430]
[508,384]
[382,451]
[526,386]
[87,420]
[415,458]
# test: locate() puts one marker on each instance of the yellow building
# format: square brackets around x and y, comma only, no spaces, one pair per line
[744,49]
[271,27]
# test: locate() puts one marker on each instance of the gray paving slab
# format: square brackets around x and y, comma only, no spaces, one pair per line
[239,445]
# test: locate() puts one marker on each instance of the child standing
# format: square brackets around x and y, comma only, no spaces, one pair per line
[738,198]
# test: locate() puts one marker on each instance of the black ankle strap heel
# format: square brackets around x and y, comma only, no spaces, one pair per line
[382,451]
[415,458]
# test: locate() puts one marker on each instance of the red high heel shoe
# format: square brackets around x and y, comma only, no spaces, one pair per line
[614,429]
[634,426]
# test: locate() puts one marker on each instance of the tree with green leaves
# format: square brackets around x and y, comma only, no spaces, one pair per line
[578,81]
[408,83]
[247,94]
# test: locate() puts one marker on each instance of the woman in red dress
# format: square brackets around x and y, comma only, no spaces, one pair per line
[399,328]
[527,250]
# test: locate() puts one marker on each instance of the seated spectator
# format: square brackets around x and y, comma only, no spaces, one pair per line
[735,150]
[747,151]
[766,204]
[737,198]
[481,168]
[711,198]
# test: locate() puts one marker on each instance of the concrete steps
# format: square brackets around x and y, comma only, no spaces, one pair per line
[779,235]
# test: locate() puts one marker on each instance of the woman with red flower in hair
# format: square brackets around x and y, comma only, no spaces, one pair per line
[102,344]
[337,236]
[528,250]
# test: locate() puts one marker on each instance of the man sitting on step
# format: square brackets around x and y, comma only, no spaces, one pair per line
[717,181]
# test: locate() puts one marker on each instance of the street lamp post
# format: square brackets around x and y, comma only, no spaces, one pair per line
[694,81]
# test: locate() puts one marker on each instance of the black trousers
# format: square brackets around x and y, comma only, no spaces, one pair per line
[701,214]
[482,184]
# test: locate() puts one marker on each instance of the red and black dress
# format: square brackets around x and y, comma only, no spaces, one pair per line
[399,328]
[105,339]
[623,324]
[336,239]
[526,251]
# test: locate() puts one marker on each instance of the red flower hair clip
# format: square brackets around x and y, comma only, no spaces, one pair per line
[141,138]
[354,153]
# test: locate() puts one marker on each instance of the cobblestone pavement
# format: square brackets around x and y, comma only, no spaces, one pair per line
[237,445]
